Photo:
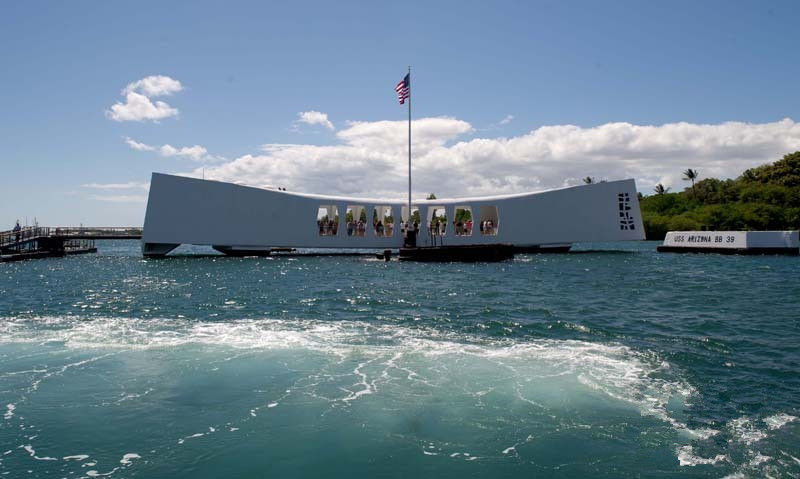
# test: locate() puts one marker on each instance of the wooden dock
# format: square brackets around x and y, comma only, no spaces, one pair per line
[47,242]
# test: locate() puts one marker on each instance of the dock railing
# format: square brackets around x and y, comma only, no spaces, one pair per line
[22,235]
[31,233]
[96,232]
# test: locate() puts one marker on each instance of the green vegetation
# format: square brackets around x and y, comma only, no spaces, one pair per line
[690,175]
[387,220]
[463,215]
[348,216]
[762,198]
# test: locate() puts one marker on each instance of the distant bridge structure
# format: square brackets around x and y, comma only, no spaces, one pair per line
[47,241]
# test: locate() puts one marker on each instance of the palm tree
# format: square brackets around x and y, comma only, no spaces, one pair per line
[690,175]
[588,180]
[660,189]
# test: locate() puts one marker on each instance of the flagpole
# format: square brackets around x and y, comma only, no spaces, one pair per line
[409,146]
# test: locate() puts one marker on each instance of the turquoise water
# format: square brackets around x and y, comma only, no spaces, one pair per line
[611,361]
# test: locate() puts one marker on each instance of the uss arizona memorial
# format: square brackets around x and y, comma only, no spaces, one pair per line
[239,219]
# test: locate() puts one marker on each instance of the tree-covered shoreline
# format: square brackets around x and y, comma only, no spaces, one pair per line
[762,198]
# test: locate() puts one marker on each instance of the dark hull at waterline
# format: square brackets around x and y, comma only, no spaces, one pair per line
[730,251]
[465,253]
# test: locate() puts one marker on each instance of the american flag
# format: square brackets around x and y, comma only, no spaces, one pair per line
[403,89]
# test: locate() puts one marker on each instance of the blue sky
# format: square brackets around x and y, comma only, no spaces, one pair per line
[519,95]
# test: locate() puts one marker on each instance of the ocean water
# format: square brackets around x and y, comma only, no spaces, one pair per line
[611,361]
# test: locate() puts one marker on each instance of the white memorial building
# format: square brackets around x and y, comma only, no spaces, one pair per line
[240,220]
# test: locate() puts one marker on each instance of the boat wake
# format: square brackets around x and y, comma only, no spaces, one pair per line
[494,399]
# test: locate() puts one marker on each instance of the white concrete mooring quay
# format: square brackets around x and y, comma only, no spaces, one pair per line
[732,242]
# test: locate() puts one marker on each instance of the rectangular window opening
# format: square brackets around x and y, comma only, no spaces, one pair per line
[356,220]
[328,220]
[383,221]
[489,220]
[437,221]
[462,223]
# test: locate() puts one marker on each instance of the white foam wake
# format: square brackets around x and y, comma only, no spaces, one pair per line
[746,441]
[687,458]
[614,370]
[779,420]
[369,358]
[128,458]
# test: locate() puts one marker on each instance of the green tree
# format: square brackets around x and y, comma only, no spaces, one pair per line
[764,197]
[463,215]
[660,189]
[690,175]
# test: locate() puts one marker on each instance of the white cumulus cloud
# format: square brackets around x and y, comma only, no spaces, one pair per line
[137,145]
[195,153]
[426,134]
[508,119]
[139,106]
[154,85]
[315,118]
[371,158]
[117,186]
[119,198]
